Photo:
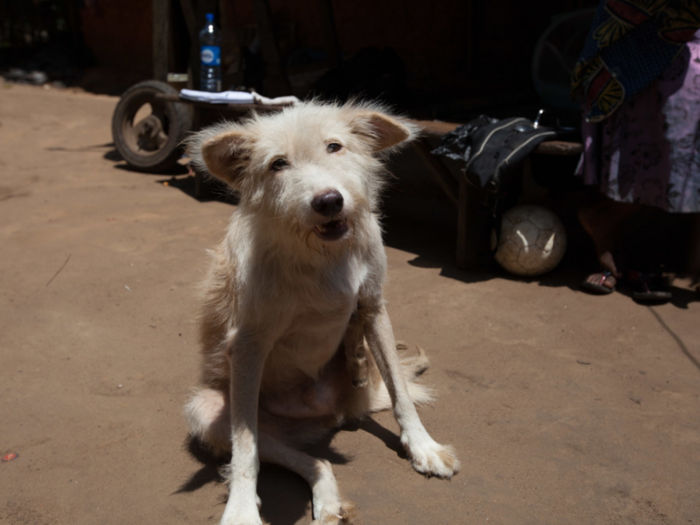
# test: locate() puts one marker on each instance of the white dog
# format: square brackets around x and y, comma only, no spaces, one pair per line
[293,298]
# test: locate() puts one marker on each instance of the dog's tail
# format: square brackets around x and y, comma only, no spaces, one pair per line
[413,367]
[207,413]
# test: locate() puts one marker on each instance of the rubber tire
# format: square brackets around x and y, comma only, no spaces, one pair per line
[179,117]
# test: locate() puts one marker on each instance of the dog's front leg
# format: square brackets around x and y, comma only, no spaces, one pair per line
[247,357]
[427,456]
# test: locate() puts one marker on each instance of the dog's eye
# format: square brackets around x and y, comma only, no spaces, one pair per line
[334,147]
[279,165]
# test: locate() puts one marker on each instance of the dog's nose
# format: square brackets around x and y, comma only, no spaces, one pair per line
[328,203]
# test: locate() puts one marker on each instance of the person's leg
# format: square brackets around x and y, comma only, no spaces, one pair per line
[649,239]
[693,262]
[602,222]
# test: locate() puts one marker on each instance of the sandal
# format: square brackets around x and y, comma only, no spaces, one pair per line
[599,288]
[649,287]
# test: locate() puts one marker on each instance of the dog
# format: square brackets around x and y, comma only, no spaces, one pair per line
[295,333]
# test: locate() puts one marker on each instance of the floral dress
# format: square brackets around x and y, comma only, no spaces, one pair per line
[648,150]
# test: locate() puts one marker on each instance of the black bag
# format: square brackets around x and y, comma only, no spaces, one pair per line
[492,148]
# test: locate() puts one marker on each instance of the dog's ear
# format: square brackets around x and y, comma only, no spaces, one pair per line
[223,152]
[381,130]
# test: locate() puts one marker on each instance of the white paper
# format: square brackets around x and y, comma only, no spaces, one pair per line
[236,97]
[225,97]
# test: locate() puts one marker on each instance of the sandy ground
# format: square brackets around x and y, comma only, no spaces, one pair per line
[563,407]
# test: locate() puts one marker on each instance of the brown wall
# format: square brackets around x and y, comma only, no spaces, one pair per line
[439,42]
[443,43]
[118,33]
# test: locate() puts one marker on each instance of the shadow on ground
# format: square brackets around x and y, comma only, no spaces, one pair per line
[286,497]
[209,190]
[434,246]
[178,177]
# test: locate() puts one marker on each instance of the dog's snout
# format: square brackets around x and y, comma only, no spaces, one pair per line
[328,203]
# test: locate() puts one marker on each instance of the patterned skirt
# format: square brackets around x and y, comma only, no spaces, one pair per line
[648,151]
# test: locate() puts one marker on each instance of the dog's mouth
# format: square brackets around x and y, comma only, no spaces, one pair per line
[332,230]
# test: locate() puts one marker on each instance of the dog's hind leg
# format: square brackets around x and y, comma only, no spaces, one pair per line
[356,350]
[328,508]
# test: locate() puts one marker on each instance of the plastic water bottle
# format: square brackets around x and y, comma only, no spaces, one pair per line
[210,53]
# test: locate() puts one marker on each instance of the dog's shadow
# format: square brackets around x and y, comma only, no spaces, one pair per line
[286,497]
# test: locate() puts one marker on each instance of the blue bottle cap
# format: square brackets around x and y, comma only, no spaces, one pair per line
[210,18]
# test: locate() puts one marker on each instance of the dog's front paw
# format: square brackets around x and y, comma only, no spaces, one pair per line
[239,520]
[241,515]
[430,458]
[345,515]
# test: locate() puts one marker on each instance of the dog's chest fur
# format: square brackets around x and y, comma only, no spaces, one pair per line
[318,306]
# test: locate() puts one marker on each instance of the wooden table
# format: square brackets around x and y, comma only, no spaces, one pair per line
[473,229]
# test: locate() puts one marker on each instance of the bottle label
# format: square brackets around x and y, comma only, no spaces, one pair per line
[211,55]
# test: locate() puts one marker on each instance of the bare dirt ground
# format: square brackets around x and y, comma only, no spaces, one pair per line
[563,407]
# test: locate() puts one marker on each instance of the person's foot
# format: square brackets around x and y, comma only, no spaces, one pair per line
[604,281]
[649,287]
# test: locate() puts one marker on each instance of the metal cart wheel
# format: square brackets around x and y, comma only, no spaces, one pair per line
[147,131]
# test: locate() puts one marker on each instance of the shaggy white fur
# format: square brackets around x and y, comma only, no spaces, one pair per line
[294,299]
